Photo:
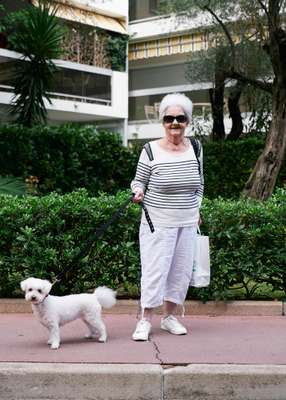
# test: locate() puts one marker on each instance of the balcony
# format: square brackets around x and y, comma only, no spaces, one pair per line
[166,25]
[82,92]
[112,8]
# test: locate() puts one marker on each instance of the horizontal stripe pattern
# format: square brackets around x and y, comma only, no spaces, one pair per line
[169,181]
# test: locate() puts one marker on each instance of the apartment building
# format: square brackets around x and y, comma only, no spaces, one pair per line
[88,89]
[159,49]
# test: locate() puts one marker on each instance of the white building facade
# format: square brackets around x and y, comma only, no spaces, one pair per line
[160,48]
[88,90]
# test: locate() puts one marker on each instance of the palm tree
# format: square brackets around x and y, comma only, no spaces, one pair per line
[38,37]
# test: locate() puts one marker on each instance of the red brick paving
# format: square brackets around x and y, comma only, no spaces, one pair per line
[225,340]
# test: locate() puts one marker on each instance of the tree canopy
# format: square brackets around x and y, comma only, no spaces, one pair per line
[259,22]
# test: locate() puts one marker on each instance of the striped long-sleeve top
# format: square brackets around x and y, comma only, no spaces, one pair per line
[172,185]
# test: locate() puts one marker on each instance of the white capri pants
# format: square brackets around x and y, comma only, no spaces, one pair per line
[166,264]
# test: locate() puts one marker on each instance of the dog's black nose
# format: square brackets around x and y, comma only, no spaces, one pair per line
[33,297]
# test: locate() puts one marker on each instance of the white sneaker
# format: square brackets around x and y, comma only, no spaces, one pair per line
[142,331]
[172,325]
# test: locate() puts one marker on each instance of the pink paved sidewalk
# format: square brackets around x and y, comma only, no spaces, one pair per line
[222,340]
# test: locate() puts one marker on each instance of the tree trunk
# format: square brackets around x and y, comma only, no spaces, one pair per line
[234,112]
[217,103]
[262,180]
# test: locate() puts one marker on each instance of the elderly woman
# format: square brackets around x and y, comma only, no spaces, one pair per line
[170,182]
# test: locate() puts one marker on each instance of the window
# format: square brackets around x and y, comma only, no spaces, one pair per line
[83,86]
[153,7]
[132,10]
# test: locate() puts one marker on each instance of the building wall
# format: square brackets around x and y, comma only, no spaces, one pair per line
[96,94]
[116,8]
[156,77]
[159,50]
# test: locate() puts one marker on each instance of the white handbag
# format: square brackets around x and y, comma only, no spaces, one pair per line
[201,264]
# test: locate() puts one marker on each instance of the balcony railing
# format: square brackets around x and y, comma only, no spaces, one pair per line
[6,88]
[64,96]
[82,99]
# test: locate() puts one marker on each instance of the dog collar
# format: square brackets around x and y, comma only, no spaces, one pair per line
[41,302]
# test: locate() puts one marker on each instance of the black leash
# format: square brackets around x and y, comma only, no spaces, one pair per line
[147,216]
[89,243]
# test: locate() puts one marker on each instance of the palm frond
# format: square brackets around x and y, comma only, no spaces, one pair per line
[39,40]
[12,186]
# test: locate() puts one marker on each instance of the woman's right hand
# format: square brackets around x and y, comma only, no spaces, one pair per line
[138,195]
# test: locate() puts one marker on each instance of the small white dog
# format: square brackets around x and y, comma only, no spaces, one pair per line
[55,311]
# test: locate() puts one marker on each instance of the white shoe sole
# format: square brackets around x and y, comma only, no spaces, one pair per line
[173,332]
[140,339]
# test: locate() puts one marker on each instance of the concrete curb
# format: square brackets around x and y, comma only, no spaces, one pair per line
[216,382]
[212,308]
[79,381]
[137,381]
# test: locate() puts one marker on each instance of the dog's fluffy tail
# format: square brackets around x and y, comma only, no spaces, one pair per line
[105,296]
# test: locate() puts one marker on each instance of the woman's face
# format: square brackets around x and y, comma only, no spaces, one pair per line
[173,128]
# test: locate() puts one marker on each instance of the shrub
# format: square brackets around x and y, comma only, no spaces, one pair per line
[228,164]
[40,236]
[65,158]
[247,240]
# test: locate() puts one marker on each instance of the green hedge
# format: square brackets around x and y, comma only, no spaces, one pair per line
[65,158]
[68,157]
[228,164]
[40,236]
[247,246]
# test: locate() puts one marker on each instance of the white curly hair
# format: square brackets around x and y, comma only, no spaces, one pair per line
[176,99]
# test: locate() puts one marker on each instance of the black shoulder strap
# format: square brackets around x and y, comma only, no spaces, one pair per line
[147,148]
[195,143]
[197,149]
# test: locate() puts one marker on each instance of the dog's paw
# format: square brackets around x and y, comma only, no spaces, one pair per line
[90,336]
[102,339]
[55,346]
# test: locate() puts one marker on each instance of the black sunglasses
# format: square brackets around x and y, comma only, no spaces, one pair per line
[169,119]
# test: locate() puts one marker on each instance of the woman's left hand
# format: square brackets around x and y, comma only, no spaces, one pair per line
[200,220]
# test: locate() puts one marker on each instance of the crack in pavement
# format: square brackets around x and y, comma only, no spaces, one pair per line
[157,351]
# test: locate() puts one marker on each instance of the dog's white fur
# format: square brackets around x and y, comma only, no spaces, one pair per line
[55,311]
